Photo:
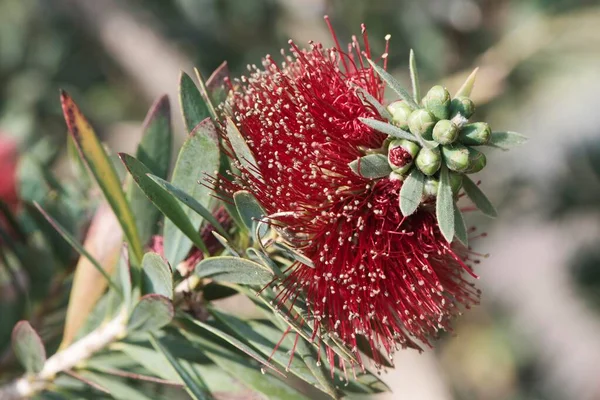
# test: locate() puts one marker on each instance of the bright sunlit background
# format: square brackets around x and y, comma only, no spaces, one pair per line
[536,334]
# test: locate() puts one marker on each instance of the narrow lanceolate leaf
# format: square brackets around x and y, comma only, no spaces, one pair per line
[294,254]
[206,95]
[467,87]
[151,313]
[234,270]
[309,355]
[478,198]
[381,110]
[77,246]
[191,203]
[240,148]
[216,80]
[414,77]
[265,338]
[193,106]
[507,139]
[154,151]
[104,172]
[372,166]
[394,85]
[156,275]
[411,192]
[388,129]
[444,207]
[28,347]
[238,344]
[460,228]
[199,156]
[195,386]
[240,367]
[249,209]
[162,200]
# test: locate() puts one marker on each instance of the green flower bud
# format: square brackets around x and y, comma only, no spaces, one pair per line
[429,161]
[401,154]
[394,176]
[463,106]
[475,134]
[437,102]
[455,182]
[421,122]
[456,157]
[431,188]
[445,132]
[477,161]
[400,112]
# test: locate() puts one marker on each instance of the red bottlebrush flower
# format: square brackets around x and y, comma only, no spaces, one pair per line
[376,273]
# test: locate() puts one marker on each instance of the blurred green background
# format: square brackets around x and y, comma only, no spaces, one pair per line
[537,333]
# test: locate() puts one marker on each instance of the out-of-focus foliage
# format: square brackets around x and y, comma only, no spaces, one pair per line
[47,45]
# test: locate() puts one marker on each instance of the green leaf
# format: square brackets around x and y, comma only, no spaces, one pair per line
[478,198]
[411,192]
[381,110]
[215,84]
[240,367]
[388,129]
[28,347]
[249,210]
[118,388]
[310,358]
[157,276]
[242,152]
[295,255]
[414,77]
[78,247]
[460,227]
[234,270]
[235,342]
[372,166]
[225,243]
[196,388]
[166,203]
[191,203]
[467,87]
[207,95]
[444,207]
[507,139]
[103,170]
[265,339]
[394,85]
[151,313]
[154,151]
[193,106]
[199,155]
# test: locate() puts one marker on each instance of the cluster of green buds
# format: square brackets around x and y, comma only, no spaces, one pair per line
[432,147]
[442,123]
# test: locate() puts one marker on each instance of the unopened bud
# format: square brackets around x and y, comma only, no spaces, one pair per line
[431,188]
[437,102]
[455,182]
[477,161]
[429,161]
[400,112]
[463,106]
[445,132]
[456,157]
[401,154]
[421,123]
[475,134]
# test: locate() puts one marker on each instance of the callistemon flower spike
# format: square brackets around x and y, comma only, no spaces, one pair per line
[330,187]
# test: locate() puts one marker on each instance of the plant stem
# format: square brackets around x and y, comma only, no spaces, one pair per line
[83,349]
